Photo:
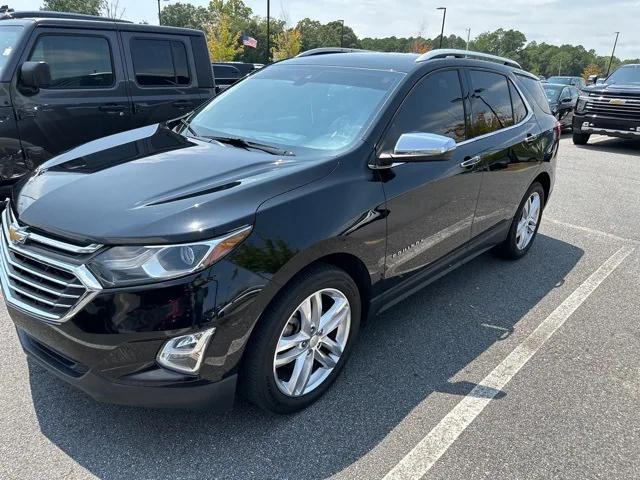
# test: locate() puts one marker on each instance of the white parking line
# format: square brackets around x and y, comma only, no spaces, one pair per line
[591,231]
[426,453]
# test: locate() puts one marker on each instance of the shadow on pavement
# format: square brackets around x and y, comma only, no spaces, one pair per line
[402,356]
[612,145]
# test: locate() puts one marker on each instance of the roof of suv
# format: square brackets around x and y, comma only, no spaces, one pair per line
[86,21]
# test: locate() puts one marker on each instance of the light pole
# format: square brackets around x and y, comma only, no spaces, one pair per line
[444,16]
[612,53]
[341,32]
[468,36]
[268,33]
[159,13]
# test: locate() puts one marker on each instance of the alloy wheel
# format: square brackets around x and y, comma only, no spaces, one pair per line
[312,342]
[529,219]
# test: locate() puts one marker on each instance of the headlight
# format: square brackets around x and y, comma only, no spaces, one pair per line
[581,105]
[133,265]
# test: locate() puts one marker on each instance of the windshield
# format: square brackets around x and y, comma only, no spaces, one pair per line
[299,106]
[552,92]
[626,75]
[562,80]
[8,37]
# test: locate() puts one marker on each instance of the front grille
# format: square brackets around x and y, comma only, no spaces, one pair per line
[37,279]
[624,106]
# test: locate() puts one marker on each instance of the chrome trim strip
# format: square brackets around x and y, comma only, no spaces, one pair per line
[456,53]
[610,130]
[68,247]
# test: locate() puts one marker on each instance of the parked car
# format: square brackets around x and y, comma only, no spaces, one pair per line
[228,73]
[562,100]
[246,245]
[610,108]
[577,82]
[67,79]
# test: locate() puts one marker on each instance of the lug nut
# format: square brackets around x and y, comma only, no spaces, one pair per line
[304,344]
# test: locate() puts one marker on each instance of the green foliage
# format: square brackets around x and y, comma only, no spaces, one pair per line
[185,15]
[88,7]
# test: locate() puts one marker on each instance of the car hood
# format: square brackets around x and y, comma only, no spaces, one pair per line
[152,185]
[613,88]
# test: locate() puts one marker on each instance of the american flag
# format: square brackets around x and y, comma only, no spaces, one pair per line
[248,41]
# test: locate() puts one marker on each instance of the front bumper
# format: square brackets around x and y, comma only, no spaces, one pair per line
[612,127]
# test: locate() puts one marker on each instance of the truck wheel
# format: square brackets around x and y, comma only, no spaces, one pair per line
[302,341]
[580,138]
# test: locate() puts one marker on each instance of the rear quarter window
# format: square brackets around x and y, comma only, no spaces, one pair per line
[533,90]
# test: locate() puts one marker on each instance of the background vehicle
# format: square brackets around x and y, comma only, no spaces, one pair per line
[562,100]
[611,108]
[228,73]
[390,170]
[67,79]
[575,81]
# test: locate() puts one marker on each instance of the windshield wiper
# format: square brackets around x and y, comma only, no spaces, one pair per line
[189,128]
[242,143]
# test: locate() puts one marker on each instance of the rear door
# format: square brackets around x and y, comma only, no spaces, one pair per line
[162,76]
[505,132]
[86,98]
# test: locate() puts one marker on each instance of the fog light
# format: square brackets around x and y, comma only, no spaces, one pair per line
[184,354]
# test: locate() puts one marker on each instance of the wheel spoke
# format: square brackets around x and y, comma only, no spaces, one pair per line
[300,375]
[306,310]
[334,316]
[288,356]
[285,343]
[325,360]
[331,345]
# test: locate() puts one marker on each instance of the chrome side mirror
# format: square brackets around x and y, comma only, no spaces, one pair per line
[422,147]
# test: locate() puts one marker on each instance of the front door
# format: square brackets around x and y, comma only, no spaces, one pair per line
[86,98]
[430,204]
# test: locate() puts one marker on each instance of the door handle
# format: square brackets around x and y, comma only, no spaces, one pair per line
[112,109]
[471,161]
[182,104]
[531,138]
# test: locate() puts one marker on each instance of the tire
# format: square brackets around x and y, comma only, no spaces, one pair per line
[512,248]
[264,384]
[580,138]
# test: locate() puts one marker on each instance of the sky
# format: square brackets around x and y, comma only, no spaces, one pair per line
[591,23]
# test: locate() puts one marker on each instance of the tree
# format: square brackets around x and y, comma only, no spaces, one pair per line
[88,7]
[287,44]
[186,15]
[591,69]
[223,44]
[112,9]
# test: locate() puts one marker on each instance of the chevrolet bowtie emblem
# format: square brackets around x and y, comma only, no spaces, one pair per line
[18,235]
[617,101]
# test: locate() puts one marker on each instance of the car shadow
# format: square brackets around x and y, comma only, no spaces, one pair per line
[402,357]
[612,145]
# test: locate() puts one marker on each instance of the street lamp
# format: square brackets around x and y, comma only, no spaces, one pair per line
[444,16]
[160,14]
[613,53]
[341,32]
[468,36]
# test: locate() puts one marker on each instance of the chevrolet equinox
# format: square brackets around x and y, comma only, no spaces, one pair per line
[244,244]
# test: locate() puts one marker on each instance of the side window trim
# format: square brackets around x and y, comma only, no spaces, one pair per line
[39,35]
[525,120]
[170,41]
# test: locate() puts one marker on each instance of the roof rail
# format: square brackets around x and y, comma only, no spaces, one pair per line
[48,14]
[327,50]
[449,52]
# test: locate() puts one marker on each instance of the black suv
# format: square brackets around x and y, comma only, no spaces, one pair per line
[611,108]
[66,79]
[247,243]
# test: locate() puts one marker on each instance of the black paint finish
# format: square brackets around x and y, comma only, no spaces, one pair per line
[392,229]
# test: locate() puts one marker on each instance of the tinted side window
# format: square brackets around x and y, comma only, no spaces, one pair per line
[76,61]
[433,106]
[519,108]
[159,63]
[490,102]
[533,89]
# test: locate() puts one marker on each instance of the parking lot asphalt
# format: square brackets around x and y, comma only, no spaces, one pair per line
[569,411]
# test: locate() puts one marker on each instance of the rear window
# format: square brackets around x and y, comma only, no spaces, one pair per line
[490,102]
[533,89]
[75,61]
[519,108]
[160,63]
